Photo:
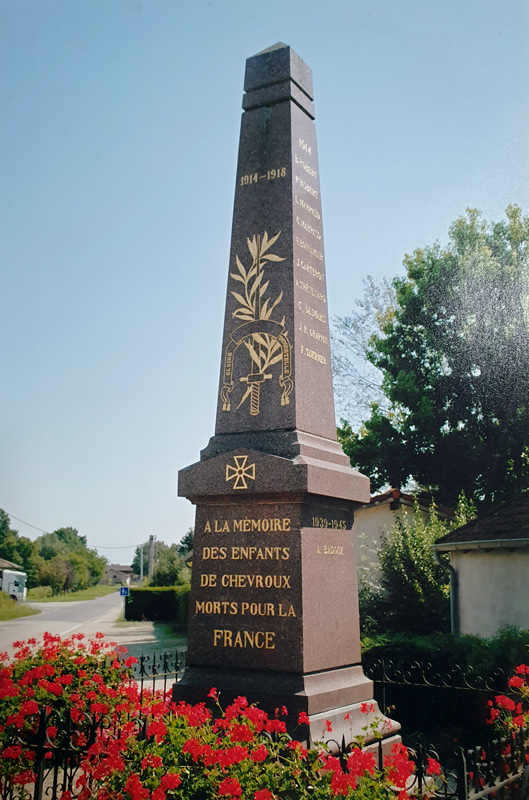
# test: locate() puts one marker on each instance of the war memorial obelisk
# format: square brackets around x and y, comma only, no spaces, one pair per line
[274,606]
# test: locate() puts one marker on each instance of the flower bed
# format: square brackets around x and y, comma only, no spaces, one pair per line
[75,700]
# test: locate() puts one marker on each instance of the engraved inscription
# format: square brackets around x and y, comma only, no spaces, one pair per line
[303,164]
[247,525]
[330,550]
[305,246]
[248,609]
[313,354]
[269,175]
[312,312]
[308,227]
[307,187]
[242,638]
[315,334]
[324,522]
[300,202]
[304,146]
[306,287]
[309,268]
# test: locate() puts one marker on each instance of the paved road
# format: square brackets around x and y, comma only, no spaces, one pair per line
[62,619]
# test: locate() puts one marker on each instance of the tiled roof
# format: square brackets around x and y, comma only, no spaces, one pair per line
[5,564]
[395,495]
[508,522]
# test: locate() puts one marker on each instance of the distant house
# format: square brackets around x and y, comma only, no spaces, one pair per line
[118,573]
[490,561]
[372,520]
[5,564]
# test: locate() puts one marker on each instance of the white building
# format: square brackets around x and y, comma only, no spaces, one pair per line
[490,569]
[374,519]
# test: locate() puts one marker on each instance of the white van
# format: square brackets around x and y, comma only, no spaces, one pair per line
[13,583]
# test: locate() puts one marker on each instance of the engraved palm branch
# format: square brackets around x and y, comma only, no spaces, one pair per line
[264,349]
[253,305]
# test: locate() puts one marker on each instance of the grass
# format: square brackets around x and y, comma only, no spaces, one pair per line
[11,609]
[42,594]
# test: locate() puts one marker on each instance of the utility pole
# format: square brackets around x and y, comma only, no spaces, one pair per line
[141,564]
[150,570]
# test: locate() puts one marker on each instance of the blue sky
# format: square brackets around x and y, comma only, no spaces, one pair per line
[119,125]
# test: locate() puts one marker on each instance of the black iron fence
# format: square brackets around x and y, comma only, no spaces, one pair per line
[386,673]
[158,671]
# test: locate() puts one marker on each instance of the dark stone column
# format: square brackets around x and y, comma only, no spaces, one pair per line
[274,601]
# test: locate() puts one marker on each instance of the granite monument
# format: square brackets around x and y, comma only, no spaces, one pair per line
[274,607]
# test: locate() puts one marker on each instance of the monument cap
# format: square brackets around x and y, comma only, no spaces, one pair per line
[277,64]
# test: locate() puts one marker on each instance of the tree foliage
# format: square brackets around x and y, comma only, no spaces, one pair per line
[413,592]
[454,354]
[60,559]
[66,562]
[357,382]
[18,549]
[185,545]
[169,567]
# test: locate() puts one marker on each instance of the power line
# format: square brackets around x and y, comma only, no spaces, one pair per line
[96,546]
[26,523]
[120,547]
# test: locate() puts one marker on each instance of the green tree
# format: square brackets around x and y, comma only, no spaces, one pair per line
[170,569]
[82,565]
[18,549]
[54,572]
[413,591]
[454,355]
[186,542]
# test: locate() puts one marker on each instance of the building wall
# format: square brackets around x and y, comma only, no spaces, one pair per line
[370,524]
[493,589]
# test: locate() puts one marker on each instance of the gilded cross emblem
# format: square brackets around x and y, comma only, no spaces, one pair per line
[240,472]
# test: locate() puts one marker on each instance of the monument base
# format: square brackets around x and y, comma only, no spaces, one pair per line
[342,697]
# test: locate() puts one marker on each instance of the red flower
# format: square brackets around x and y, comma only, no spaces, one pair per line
[298,747]
[365,708]
[516,682]
[12,752]
[505,702]
[151,761]
[303,719]
[434,767]
[256,716]
[275,725]
[241,733]
[259,754]
[360,762]
[230,787]
[340,783]
[213,693]
[157,729]
[194,748]
[29,707]
[328,726]
[263,794]
[171,780]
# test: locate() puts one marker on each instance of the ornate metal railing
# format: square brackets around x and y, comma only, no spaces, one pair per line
[156,670]
[386,672]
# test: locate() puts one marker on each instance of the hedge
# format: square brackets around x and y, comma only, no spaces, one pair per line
[159,604]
